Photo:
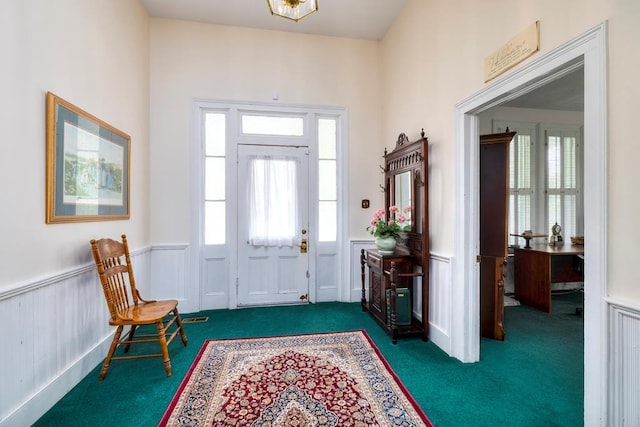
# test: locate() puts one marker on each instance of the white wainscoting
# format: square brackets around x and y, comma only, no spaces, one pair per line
[169,276]
[439,292]
[56,331]
[355,288]
[624,364]
[440,301]
[328,277]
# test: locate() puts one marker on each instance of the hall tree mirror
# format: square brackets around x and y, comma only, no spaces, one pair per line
[405,181]
[403,191]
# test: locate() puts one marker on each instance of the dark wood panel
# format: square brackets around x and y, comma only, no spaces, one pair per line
[533,278]
[494,208]
[491,298]
[494,198]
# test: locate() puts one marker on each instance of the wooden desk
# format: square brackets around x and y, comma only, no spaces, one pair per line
[540,266]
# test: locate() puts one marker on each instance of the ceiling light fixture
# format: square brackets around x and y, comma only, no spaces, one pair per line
[293,9]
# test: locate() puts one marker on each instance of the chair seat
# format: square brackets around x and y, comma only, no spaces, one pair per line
[143,314]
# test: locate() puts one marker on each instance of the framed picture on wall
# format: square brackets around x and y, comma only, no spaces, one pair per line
[88,166]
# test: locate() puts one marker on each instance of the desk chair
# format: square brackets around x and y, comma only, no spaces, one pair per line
[128,308]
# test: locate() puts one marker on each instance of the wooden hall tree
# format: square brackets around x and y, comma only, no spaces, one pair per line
[403,274]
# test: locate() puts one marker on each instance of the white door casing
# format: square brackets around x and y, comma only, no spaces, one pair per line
[269,275]
[213,269]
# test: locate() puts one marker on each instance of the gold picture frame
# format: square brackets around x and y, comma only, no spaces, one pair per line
[88,166]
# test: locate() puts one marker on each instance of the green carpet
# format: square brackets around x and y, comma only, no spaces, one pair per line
[533,378]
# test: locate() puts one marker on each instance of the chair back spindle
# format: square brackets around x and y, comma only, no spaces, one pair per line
[116,275]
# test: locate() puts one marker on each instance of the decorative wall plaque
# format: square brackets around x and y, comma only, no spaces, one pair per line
[516,50]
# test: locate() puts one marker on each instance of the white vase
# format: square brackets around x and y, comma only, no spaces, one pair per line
[386,245]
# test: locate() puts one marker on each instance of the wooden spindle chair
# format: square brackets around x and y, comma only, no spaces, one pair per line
[128,308]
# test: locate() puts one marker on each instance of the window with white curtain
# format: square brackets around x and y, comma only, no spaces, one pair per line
[273,207]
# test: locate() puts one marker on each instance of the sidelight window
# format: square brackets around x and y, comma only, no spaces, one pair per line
[214,186]
[327,182]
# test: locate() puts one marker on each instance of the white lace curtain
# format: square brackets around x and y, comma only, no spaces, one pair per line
[273,204]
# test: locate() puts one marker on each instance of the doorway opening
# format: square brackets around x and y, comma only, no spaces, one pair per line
[543,167]
[590,50]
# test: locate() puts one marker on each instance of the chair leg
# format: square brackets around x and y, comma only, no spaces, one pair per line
[112,349]
[132,331]
[163,346]
[183,335]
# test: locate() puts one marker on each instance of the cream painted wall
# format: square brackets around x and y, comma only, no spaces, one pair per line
[193,60]
[438,47]
[94,54]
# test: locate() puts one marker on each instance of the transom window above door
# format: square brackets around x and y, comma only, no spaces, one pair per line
[253,124]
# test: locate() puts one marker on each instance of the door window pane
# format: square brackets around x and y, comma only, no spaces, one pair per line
[273,202]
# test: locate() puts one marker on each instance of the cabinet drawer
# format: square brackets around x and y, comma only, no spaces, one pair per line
[374,262]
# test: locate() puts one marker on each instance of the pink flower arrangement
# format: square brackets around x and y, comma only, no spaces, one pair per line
[380,227]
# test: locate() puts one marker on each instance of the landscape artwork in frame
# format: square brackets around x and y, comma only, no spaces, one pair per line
[87,166]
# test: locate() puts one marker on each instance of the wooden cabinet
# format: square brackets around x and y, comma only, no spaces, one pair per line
[494,210]
[406,187]
[379,282]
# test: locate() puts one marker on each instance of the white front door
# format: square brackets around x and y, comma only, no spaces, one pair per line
[273,212]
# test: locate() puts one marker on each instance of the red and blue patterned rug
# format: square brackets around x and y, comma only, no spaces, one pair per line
[333,379]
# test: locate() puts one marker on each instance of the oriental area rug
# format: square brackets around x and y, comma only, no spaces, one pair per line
[332,379]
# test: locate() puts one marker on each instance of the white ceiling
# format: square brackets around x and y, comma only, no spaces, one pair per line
[359,19]
[565,94]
